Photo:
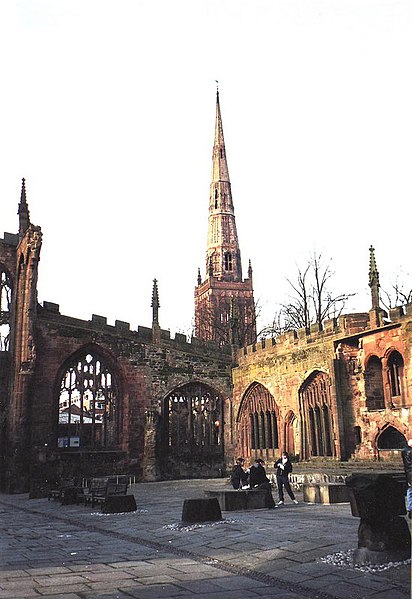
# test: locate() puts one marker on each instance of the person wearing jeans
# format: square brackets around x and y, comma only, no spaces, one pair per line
[284,468]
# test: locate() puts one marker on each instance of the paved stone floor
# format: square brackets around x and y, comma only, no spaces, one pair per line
[73,552]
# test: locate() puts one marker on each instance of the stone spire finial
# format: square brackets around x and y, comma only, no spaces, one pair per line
[373,278]
[155,303]
[250,270]
[199,278]
[23,211]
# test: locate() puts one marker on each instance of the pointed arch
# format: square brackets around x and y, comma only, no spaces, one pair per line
[374,392]
[193,422]
[395,373]
[316,415]
[88,398]
[390,438]
[6,292]
[258,422]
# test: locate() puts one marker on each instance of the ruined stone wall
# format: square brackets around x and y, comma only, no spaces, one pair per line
[147,372]
[282,368]
[342,350]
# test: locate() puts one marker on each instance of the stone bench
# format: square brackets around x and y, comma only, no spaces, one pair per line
[325,493]
[233,500]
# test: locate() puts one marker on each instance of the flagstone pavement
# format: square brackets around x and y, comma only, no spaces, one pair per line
[73,552]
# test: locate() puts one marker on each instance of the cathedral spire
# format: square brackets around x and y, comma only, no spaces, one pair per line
[23,211]
[224,304]
[223,254]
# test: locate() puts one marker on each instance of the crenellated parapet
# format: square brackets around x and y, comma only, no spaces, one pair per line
[50,312]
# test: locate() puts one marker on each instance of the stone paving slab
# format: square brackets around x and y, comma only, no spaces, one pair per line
[73,552]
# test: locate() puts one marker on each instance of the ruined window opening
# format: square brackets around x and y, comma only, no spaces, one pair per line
[88,405]
[194,418]
[374,384]
[316,406]
[258,422]
[5,309]
[221,152]
[395,373]
[358,435]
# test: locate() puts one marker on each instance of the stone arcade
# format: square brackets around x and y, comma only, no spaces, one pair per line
[85,397]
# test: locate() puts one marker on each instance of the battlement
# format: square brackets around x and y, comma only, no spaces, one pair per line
[10,239]
[345,325]
[50,311]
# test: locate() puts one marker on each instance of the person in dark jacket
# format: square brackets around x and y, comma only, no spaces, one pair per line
[283,468]
[239,476]
[259,480]
[407,466]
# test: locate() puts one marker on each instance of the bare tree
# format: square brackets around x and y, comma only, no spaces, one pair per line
[399,295]
[312,300]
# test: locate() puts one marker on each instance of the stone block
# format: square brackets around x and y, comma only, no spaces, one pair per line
[325,493]
[201,510]
[376,496]
[118,504]
[231,500]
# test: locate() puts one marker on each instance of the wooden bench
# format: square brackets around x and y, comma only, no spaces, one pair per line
[233,500]
[61,491]
[102,488]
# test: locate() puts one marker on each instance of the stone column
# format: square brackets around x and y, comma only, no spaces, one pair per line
[150,461]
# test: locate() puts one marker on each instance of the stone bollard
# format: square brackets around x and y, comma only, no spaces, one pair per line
[201,510]
[379,501]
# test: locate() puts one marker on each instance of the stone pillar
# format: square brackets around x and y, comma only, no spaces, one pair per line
[150,462]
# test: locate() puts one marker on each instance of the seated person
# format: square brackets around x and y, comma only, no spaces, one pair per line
[239,476]
[259,480]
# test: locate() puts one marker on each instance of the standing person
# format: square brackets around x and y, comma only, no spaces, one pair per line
[239,476]
[259,480]
[284,468]
[407,465]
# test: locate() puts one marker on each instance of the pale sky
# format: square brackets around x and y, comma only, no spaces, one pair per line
[107,109]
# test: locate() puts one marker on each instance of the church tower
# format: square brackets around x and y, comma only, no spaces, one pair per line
[223,287]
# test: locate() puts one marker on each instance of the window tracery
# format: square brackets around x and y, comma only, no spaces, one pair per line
[258,422]
[88,410]
[316,406]
[193,417]
[5,309]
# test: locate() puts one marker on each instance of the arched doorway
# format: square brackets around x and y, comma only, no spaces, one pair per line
[258,423]
[192,432]
[390,439]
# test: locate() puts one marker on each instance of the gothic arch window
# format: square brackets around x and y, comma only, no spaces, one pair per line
[375,399]
[391,438]
[5,308]
[228,261]
[315,401]
[395,374]
[88,404]
[258,422]
[193,419]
